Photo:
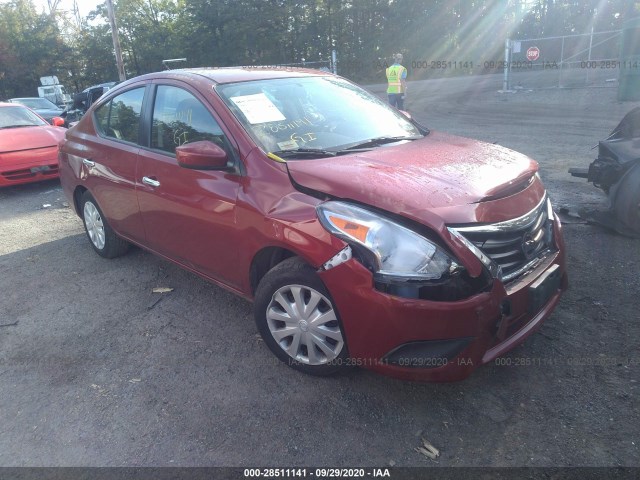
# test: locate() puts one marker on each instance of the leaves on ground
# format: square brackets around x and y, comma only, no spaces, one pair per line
[162,290]
[428,450]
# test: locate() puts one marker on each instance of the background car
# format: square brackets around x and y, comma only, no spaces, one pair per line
[43,107]
[106,86]
[83,100]
[28,146]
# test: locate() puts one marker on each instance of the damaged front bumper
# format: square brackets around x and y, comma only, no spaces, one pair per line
[428,340]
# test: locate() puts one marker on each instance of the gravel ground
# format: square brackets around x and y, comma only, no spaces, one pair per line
[95,370]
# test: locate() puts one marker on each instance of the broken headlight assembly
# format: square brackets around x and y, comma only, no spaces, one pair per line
[394,253]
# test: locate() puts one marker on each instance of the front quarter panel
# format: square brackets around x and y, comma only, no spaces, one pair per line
[272,213]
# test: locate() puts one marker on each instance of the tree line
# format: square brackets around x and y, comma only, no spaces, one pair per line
[35,42]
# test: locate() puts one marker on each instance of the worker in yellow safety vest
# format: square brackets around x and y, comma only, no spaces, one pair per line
[396,78]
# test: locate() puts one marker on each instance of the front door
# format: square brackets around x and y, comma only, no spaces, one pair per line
[189,215]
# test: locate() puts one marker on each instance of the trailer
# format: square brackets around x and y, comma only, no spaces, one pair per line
[53,91]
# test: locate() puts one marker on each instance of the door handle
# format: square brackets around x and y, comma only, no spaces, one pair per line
[88,163]
[150,181]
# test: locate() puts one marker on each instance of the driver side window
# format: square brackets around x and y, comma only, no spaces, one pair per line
[180,118]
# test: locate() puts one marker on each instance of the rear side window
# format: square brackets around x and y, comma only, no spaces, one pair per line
[179,118]
[120,117]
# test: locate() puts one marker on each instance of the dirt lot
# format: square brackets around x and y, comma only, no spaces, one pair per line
[96,370]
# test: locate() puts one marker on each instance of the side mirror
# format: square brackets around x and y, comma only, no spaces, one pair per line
[57,122]
[203,155]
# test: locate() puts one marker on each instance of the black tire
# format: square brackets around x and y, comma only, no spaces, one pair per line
[294,273]
[626,205]
[114,246]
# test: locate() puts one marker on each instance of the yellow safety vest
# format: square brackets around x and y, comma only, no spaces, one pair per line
[394,75]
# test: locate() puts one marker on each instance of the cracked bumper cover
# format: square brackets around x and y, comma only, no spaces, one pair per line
[424,340]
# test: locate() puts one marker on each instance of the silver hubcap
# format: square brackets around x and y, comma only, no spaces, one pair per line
[94,225]
[304,324]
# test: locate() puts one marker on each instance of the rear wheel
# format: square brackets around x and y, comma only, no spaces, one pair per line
[298,320]
[102,237]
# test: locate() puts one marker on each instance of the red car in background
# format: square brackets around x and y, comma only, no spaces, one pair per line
[361,237]
[28,146]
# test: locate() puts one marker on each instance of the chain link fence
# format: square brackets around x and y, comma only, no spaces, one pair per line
[588,59]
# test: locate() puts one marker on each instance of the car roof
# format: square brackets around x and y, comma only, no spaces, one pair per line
[26,98]
[244,74]
[222,75]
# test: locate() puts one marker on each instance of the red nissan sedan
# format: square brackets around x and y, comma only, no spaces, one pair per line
[28,146]
[361,237]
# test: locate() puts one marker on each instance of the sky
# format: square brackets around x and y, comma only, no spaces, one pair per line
[85,6]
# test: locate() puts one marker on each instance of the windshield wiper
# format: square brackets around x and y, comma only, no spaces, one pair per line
[376,142]
[363,146]
[305,151]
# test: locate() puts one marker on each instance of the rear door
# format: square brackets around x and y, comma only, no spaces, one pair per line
[111,161]
[189,215]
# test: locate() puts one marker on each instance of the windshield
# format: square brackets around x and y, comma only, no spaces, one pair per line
[36,103]
[11,117]
[323,113]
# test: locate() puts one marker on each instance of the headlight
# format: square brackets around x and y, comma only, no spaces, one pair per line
[397,251]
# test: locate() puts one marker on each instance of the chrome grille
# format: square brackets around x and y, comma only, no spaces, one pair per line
[515,245]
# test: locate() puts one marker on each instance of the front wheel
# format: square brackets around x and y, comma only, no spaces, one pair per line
[298,320]
[102,237]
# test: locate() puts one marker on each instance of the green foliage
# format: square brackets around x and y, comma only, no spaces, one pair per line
[31,46]
[255,32]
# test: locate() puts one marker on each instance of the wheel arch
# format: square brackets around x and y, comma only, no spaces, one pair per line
[264,260]
[77,198]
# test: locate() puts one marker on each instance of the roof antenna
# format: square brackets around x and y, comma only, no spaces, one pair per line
[172,60]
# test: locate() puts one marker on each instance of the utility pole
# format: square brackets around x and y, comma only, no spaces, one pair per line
[116,41]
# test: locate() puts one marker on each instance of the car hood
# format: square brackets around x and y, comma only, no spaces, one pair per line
[438,173]
[28,138]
